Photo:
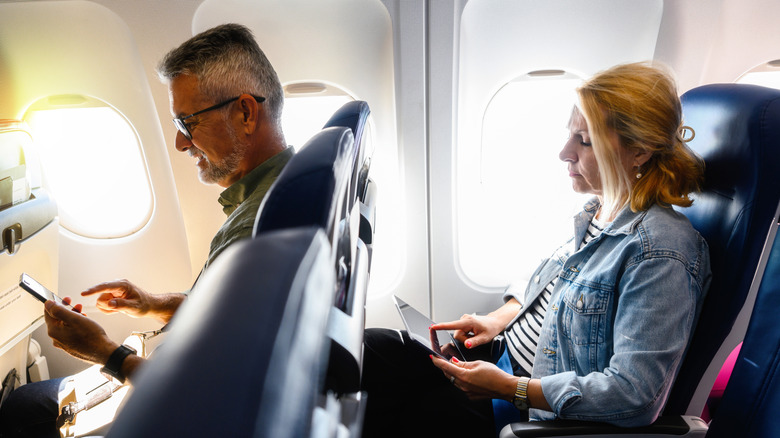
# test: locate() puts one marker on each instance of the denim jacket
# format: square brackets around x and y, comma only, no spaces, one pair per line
[620,316]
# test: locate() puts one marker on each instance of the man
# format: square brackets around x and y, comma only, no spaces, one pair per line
[227,101]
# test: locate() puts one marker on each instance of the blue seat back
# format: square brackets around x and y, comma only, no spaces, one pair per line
[751,401]
[312,188]
[246,355]
[737,132]
[354,115]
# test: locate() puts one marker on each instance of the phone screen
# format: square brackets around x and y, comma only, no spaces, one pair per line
[38,291]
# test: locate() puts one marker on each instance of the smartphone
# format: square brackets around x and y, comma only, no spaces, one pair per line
[38,291]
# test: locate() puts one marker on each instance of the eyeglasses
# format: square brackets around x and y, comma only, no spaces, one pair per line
[181,125]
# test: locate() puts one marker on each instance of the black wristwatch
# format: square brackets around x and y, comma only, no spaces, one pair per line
[113,367]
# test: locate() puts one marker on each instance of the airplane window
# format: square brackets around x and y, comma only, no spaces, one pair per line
[92,164]
[307,106]
[515,200]
[767,75]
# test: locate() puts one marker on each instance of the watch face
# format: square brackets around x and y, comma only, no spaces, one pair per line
[520,404]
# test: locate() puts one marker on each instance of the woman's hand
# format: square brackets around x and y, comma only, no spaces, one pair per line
[479,380]
[472,330]
[475,330]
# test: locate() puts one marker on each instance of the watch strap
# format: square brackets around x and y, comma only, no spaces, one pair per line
[520,399]
[113,366]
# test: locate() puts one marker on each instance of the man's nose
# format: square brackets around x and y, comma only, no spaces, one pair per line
[181,142]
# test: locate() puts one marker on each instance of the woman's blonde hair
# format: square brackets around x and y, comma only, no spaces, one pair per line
[639,103]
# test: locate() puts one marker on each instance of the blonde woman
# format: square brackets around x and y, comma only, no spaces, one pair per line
[600,332]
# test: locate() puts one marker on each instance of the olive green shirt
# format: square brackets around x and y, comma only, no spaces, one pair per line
[241,201]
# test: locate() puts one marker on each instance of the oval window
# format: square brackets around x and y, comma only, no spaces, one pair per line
[92,164]
[515,200]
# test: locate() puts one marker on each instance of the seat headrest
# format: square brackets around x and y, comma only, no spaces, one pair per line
[353,115]
[737,132]
[312,186]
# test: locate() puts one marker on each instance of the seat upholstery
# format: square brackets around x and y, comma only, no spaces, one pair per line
[354,115]
[246,354]
[314,190]
[751,401]
[362,191]
[312,187]
[737,132]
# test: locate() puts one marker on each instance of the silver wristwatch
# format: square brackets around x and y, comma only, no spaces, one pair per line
[521,394]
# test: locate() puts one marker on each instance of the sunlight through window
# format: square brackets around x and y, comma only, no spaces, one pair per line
[305,113]
[515,201]
[93,166]
[769,79]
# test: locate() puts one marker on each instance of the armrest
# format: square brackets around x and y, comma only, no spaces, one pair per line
[673,425]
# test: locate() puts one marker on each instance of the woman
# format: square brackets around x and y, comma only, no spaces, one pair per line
[601,330]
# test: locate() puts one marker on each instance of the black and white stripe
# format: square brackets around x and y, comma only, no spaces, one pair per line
[523,335]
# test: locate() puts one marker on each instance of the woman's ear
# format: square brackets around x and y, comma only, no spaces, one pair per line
[640,158]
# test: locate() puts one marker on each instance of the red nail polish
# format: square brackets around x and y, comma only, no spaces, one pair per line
[468,344]
[455,360]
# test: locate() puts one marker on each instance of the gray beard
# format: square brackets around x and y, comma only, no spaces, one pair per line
[219,170]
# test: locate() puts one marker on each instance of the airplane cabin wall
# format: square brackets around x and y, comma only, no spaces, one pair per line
[347,44]
[492,42]
[82,48]
[426,73]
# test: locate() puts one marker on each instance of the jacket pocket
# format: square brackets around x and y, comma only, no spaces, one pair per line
[584,314]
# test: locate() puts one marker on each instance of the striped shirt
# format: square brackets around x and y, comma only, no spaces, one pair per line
[523,334]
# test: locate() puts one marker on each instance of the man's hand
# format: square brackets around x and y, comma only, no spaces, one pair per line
[78,335]
[120,296]
[125,297]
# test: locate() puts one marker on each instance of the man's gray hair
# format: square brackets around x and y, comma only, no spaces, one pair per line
[227,62]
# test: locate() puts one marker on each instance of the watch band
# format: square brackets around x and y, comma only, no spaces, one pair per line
[521,394]
[113,366]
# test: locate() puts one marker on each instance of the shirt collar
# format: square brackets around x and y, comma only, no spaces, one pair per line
[625,222]
[238,192]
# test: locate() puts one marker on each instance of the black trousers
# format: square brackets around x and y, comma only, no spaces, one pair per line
[407,396]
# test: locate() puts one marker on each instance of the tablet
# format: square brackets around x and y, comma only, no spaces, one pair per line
[438,342]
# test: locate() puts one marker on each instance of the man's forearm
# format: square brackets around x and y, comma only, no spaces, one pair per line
[164,306]
[131,365]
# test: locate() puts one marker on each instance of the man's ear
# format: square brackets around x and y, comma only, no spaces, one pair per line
[250,112]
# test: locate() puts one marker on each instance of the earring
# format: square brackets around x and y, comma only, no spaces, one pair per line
[638,175]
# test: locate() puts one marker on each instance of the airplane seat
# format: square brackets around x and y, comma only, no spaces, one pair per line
[246,355]
[362,192]
[29,229]
[737,129]
[312,190]
[354,115]
[750,402]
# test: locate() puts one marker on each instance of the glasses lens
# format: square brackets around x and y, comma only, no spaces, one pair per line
[182,128]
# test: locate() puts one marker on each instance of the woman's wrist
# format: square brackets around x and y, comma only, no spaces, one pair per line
[506,313]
